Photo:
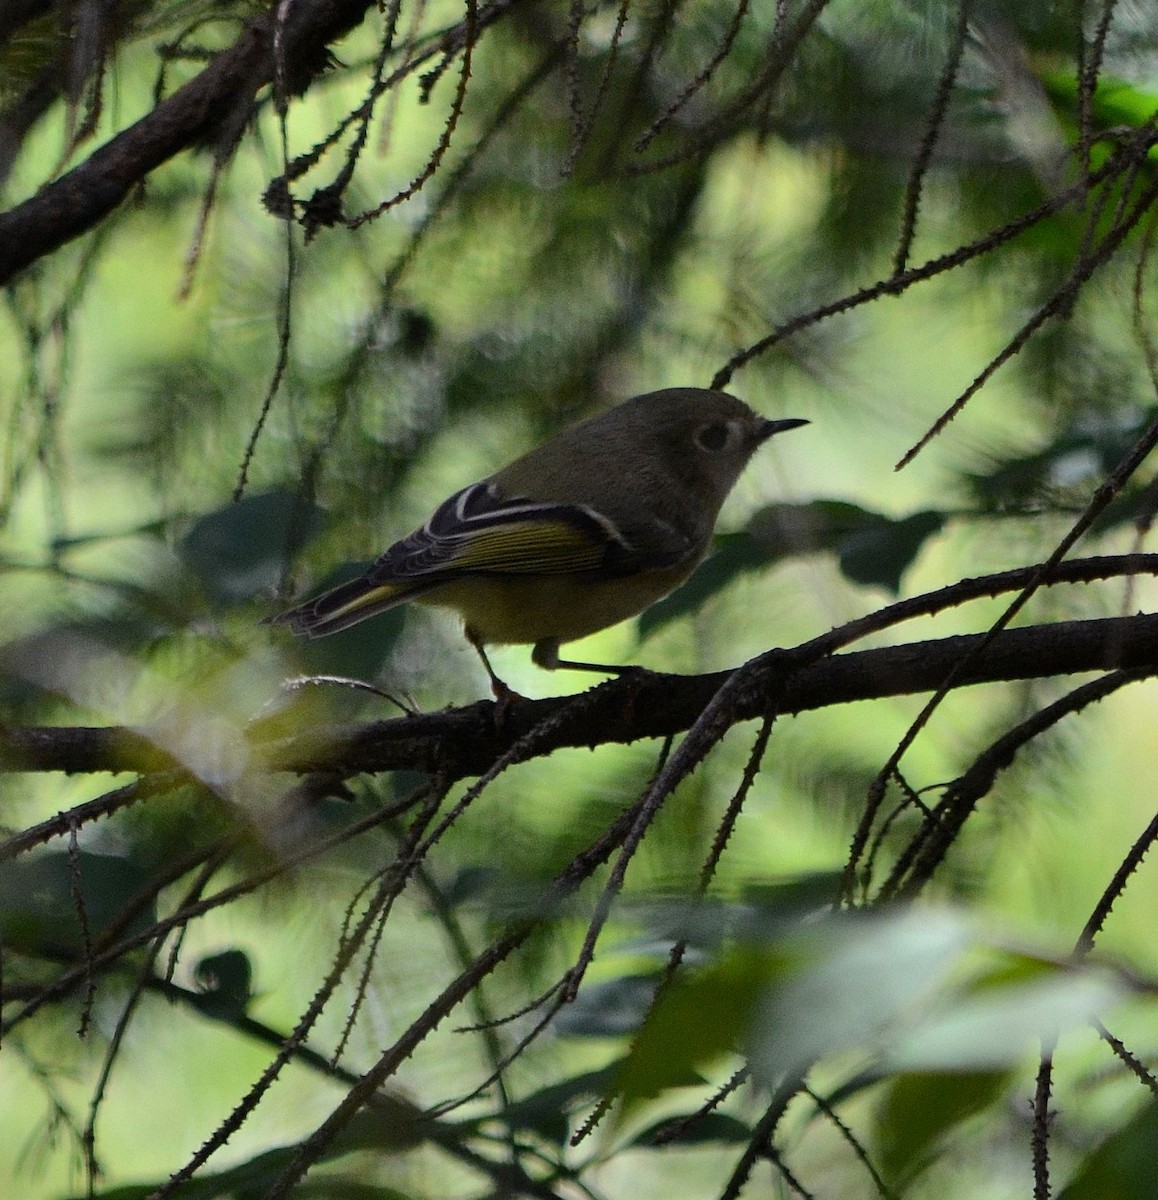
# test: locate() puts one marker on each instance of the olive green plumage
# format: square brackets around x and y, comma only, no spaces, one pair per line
[584,531]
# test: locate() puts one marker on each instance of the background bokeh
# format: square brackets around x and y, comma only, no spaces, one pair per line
[167,480]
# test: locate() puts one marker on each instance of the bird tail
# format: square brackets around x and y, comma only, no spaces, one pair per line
[345,605]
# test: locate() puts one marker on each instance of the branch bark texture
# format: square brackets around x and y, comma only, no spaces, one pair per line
[465,742]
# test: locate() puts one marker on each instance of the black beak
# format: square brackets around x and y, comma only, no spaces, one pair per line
[768,428]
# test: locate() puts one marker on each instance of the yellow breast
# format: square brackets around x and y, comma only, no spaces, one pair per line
[534,608]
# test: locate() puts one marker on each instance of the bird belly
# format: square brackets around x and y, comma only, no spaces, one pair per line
[535,608]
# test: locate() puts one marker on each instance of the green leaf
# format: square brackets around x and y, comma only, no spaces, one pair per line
[470,883]
[239,551]
[1062,474]
[854,980]
[733,555]
[387,1127]
[919,1110]
[545,1112]
[701,1016]
[917,992]
[252,1180]
[881,551]
[390,1125]
[1123,1166]
[693,1129]
[337,1188]
[793,897]
[990,1027]
[1114,102]
[612,1008]
[871,548]
[43,896]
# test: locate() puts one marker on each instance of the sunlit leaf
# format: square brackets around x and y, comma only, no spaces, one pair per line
[988,1028]
[918,992]
[853,982]
[1114,102]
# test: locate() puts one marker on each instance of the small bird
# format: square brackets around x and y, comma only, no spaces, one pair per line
[584,531]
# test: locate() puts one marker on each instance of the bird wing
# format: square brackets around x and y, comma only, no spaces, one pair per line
[479,531]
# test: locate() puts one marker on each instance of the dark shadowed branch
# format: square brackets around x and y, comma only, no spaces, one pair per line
[212,108]
[463,742]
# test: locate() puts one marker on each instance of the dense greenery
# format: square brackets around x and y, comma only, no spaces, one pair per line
[798,909]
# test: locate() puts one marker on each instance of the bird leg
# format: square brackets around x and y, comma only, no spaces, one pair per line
[502,692]
[546,655]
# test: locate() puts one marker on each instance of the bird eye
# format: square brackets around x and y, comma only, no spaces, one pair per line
[714,437]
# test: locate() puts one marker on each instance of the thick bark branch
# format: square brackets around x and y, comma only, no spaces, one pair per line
[457,743]
[218,99]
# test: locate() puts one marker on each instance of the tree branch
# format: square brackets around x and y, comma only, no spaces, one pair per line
[464,742]
[219,99]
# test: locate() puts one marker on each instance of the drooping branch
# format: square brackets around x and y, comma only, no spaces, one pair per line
[464,742]
[214,104]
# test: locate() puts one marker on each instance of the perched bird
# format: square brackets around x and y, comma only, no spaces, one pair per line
[586,530]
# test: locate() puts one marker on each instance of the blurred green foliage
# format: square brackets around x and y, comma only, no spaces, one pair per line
[617,210]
